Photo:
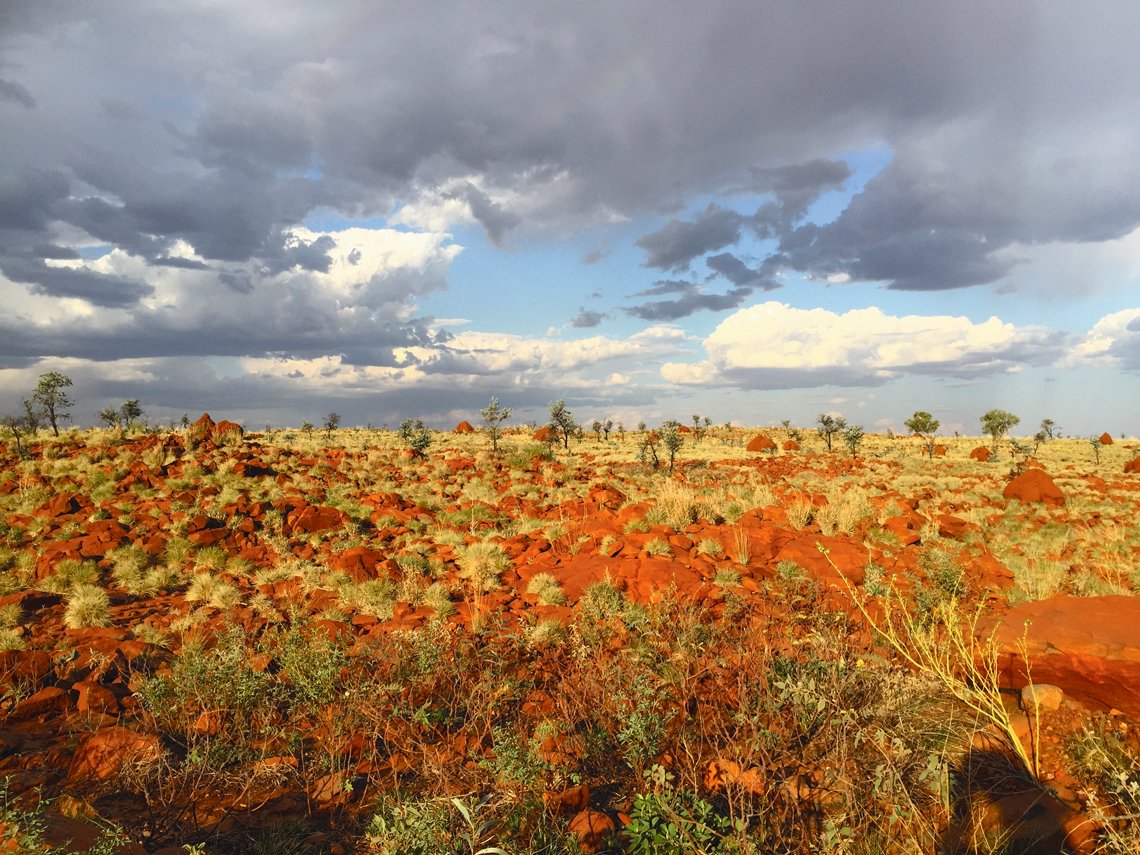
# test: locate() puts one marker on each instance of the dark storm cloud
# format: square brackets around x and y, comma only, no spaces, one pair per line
[677,243]
[17,94]
[586,319]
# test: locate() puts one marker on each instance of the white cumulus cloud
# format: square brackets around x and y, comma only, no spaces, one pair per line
[776,346]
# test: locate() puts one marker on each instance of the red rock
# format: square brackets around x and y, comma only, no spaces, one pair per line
[981,454]
[315,518]
[791,445]
[30,667]
[593,830]
[1106,438]
[760,442]
[93,697]
[1133,466]
[1034,485]
[940,451]
[905,528]
[359,562]
[1088,646]
[62,505]
[543,434]
[223,427]
[201,430]
[568,801]
[49,700]
[803,549]
[102,754]
[464,427]
[953,527]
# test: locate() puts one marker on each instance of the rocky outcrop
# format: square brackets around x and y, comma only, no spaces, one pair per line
[1087,646]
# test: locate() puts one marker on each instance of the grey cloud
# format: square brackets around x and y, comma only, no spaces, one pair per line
[666,286]
[55,252]
[677,243]
[312,255]
[1134,325]
[96,288]
[689,303]
[28,196]
[15,92]
[241,283]
[494,219]
[739,273]
[594,256]
[799,378]
[586,319]
[182,263]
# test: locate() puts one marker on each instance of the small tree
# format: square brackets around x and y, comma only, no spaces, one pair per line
[596,427]
[332,422]
[1051,429]
[647,450]
[607,426]
[641,427]
[31,416]
[996,423]
[17,427]
[562,422]
[493,417]
[52,399]
[130,411]
[852,436]
[109,416]
[926,426]
[416,435]
[307,429]
[621,431]
[671,437]
[829,426]
[1095,442]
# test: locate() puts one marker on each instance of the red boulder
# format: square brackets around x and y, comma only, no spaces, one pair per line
[980,454]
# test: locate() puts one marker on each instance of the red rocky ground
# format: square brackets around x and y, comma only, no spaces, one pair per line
[242,506]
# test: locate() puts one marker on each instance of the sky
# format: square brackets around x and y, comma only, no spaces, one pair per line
[751,212]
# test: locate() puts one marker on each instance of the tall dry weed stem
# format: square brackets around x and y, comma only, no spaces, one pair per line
[946,647]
